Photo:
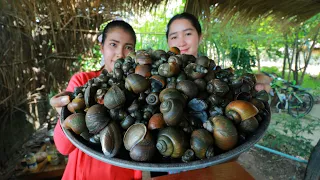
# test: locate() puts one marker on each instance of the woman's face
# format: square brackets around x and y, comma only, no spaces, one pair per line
[118,44]
[184,36]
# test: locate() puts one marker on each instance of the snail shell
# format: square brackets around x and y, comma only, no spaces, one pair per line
[139,142]
[172,142]
[188,87]
[224,132]
[97,118]
[173,51]
[203,61]
[110,139]
[156,122]
[143,70]
[172,110]
[172,93]
[77,104]
[240,110]
[143,58]
[75,122]
[249,126]
[127,122]
[188,156]
[169,69]
[201,142]
[114,98]
[217,87]
[137,83]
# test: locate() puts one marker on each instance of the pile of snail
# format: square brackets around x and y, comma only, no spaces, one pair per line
[166,104]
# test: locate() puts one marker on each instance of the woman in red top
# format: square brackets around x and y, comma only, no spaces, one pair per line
[118,39]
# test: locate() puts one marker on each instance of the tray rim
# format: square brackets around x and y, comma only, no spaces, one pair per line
[165,167]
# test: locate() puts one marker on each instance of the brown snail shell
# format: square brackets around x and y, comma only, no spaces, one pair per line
[143,70]
[172,110]
[249,126]
[172,93]
[158,53]
[201,142]
[172,142]
[156,122]
[134,134]
[144,150]
[137,83]
[188,87]
[157,83]
[173,51]
[176,59]
[77,104]
[114,98]
[89,95]
[169,69]
[191,72]
[217,87]
[139,142]
[97,118]
[203,61]
[240,110]
[75,122]
[224,132]
[143,58]
[111,139]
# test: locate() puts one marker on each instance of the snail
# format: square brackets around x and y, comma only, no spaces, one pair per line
[75,122]
[156,122]
[224,132]
[172,142]
[240,110]
[188,87]
[172,110]
[169,69]
[77,104]
[136,83]
[201,143]
[114,98]
[139,142]
[96,118]
[110,139]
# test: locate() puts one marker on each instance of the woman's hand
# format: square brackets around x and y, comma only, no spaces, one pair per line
[263,82]
[60,100]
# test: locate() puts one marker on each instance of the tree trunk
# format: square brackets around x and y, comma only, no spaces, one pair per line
[296,67]
[286,56]
[307,60]
[258,56]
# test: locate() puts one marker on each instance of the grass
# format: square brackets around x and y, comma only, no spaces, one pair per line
[287,134]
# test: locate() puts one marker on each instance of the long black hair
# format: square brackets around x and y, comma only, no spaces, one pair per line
[119,24]
[193,20]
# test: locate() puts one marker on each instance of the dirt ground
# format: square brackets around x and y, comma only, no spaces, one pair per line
[264,165]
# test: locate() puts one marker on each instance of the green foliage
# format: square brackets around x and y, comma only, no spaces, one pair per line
[241,60]
[286,134]
[91,61]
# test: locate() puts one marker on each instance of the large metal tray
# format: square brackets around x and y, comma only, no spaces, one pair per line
[123,159]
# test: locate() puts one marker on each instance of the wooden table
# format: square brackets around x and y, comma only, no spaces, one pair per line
[227,171]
